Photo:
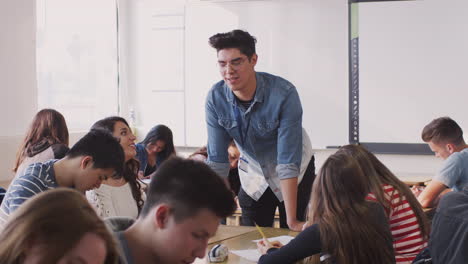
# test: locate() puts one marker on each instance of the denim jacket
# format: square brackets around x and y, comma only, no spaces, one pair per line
[270,130]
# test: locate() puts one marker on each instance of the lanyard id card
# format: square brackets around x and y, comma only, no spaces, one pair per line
[243,165]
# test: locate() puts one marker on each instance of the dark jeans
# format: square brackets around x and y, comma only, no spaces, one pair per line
[263,210]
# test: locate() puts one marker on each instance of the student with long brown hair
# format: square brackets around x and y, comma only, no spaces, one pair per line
[47,138]
[408,223]
[57,226]
[343,227]
[120,195]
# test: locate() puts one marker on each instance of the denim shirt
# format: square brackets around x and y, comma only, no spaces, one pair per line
[270,130]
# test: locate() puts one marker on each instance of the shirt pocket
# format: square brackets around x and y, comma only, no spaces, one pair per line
[228,124]
[267,129]
[231,126]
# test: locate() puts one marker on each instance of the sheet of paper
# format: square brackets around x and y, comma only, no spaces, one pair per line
[282,239]
[249,254]
[147,181]
[253,254]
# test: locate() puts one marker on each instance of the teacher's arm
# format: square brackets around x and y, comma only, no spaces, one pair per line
[290,155]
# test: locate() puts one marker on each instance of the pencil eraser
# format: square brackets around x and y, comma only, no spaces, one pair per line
[218,253]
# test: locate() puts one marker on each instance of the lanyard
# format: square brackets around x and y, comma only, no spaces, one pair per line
[237,115]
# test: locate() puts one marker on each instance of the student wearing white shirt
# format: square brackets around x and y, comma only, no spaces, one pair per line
[120,195]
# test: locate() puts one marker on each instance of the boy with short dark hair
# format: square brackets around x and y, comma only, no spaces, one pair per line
[185,202]
[445,138]
[95,157]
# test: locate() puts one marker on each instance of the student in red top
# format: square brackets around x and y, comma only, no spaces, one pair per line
[408,223]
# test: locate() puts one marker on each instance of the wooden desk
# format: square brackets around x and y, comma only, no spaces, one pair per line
[241,241]
[414,178]
[227,232]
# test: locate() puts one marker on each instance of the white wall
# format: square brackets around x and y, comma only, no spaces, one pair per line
[17,75]
[152,65]
[17,65]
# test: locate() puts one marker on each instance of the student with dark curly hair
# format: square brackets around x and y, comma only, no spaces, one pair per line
[120,195]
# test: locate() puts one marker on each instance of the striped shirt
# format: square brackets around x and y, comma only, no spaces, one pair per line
[36,178]
[404,225]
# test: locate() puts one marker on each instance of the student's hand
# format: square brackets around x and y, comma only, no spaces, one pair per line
[296,225]
[417,190]
[306,224]
[263,245]
[142,177]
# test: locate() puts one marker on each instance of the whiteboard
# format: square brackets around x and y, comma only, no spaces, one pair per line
[413,67]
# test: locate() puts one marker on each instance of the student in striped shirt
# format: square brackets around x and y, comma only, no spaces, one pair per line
[94,158]
[408,223]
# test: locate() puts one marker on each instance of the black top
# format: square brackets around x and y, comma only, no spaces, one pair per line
[449,236]
[245,104]
[149,169]
[307,243]
[59,150]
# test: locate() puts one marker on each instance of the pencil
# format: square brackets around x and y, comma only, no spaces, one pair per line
[261,233]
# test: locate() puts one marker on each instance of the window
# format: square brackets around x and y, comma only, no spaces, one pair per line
[77,59]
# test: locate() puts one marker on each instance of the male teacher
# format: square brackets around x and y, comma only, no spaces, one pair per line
[263,114]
